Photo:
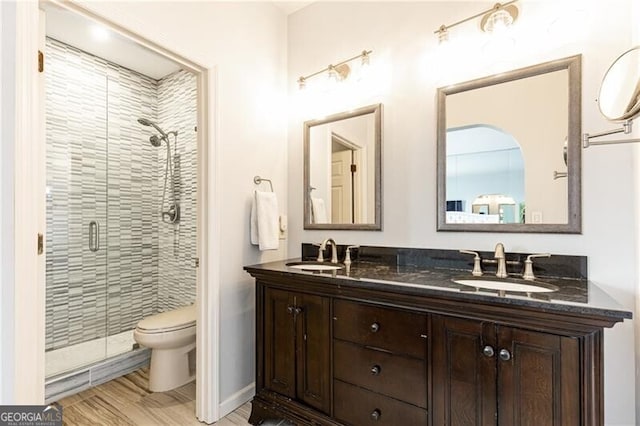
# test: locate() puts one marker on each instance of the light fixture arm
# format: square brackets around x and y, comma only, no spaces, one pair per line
[496,7]
[365,53]
[626,129]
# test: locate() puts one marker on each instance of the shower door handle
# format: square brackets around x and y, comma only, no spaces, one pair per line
[94,236]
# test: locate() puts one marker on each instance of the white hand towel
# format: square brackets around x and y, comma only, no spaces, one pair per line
[318,209]
[265,231]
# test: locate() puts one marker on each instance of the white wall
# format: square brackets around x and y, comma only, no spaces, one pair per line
[245,43]
[410,68]
[635,14]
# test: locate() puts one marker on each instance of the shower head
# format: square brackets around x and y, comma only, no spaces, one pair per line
[146,122]
[155,140]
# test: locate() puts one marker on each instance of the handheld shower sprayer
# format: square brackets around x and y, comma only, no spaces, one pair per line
[146,122]
[172,214]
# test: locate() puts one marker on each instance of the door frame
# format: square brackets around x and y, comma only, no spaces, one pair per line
[29,209]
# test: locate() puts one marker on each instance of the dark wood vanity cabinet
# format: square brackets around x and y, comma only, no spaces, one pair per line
[380,365]
[333,354]
[488,374]
[297,358]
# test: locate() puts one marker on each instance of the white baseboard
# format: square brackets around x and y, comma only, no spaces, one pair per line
[237,399]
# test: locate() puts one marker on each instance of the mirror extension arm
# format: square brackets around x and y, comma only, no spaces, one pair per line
[626,129]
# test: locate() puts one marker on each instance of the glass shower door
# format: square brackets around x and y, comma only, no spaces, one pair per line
[76,258]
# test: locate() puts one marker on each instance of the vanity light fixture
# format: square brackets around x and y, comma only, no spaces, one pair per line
[339,71]
[499,17]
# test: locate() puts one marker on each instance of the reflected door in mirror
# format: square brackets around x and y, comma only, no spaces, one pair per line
[342,171]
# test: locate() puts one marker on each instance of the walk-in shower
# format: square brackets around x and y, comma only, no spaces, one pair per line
[172,214]
[121,223]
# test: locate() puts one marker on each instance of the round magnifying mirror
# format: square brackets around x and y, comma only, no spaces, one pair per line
[619,98]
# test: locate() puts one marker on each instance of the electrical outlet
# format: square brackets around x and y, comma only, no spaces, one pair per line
[536,217]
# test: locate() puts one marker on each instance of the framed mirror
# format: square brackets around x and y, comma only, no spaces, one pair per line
[509,151]
[343,169]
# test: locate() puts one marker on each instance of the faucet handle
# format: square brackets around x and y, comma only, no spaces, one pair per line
[528,266]
[320,252]
[477,269]
[347,254]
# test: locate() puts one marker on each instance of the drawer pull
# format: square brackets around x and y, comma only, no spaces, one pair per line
[375,327]
[375,415]
[375,370]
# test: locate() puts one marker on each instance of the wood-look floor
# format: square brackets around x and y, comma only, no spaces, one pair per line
[127,402]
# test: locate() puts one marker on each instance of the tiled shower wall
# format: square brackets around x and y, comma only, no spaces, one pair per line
[101,167]
[177,111]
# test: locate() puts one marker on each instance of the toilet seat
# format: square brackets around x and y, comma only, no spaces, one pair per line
[178,319]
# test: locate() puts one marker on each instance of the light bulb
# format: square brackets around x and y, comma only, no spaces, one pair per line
[498,21]
[365,58]
[99,33]
[443,35]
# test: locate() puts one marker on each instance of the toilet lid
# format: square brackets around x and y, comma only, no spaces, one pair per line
[171,320]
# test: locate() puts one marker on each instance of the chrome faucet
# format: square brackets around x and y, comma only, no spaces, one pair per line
[499,256]
[334,250]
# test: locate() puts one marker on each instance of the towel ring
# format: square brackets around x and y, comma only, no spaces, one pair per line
[258,180]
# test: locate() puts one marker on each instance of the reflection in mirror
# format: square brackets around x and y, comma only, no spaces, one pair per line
[342,170]
[484,164]
[503,143]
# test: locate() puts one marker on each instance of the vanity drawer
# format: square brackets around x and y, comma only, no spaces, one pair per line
[358,407]
[393,375]
[389,329]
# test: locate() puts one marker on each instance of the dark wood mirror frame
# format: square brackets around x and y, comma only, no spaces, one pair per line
[574,221]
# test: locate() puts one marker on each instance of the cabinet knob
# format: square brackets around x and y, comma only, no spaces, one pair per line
[375,370]
[505,355]
[297,310]
[290,309]
[375,327]
[488,351]
[375,415]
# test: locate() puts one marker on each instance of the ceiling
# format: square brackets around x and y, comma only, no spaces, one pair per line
[290,7]
[90,36]
[87,35]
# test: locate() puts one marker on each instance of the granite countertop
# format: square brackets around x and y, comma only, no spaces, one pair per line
[574,295]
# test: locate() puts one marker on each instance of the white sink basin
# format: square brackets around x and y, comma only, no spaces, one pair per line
[505,285]
[315,266]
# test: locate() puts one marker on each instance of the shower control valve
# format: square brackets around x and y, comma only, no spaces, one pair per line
[172,215]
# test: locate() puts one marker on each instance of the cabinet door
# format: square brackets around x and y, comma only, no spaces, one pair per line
[279,342]
[313,314]
[463,376]
[538,382]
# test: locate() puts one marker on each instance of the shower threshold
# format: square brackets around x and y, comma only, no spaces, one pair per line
[65,359]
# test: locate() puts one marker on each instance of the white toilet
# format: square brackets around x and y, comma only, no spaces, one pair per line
[171,336]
